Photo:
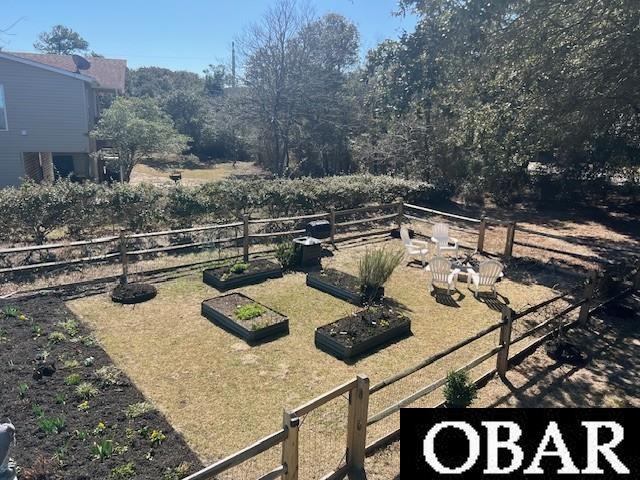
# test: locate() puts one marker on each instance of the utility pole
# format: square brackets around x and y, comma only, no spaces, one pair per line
[233,64]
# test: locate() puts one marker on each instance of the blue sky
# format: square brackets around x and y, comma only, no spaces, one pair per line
[185,34]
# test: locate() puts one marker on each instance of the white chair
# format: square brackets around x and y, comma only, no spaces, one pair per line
[441,274]
[487,275]
[443,242]
[414,248]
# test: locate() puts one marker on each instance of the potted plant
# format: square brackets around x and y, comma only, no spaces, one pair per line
[374,269]
[459,391]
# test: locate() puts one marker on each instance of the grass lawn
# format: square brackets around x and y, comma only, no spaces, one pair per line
[152,173]
[222,394]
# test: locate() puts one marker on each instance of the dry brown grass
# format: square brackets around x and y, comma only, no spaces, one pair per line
[609,379]
[223,394]
[143,173]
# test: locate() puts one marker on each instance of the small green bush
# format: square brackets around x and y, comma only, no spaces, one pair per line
[376,266]
[128,470]
[56,337]
[86,391]
[288,255]
[177,473]
[459,391]
[73,379]
[249,311]
[239,267]
[70,326]
[109,375]
[136,410]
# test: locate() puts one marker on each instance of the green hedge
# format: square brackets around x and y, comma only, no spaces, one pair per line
[37,213]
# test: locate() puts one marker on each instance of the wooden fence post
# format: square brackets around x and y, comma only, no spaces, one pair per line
[589,290]
[245,238]
[357,427]
[511,234]
[332,221]
[290,446]
[400,211]
[481,233]
[502,363]
[123,258]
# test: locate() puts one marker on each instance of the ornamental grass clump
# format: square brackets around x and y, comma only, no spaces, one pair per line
[376,266]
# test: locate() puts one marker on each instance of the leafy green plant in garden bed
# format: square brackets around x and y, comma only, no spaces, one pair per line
[249,311]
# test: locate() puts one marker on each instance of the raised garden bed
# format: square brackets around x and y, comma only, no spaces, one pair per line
[131,293]
[362,332]
[245,317]
[339,284]
[68,401]
[240,274]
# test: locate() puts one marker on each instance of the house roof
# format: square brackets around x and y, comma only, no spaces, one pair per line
[108,73]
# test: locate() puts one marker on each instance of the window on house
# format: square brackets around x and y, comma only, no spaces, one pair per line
[3,110]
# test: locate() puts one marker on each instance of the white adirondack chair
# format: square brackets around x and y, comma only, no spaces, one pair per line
[441,274]
[414,248]
[443,242]
[487,275]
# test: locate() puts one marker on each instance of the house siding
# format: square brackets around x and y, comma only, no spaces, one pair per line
[51,109]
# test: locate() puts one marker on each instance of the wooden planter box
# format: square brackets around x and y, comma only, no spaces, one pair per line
[343,350]
[220,311]
[259,270]
[324,282]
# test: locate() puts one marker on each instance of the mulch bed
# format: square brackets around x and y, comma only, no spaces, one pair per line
[362,332]
[223,278]
[222,310]
[33,392]
[131,293]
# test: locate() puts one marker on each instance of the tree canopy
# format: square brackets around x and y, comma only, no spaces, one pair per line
[500,97]
[137,128]
[61,40]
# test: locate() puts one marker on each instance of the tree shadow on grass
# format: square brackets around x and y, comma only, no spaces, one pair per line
[610,377]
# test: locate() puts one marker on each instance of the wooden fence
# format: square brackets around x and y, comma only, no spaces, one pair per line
[582,297]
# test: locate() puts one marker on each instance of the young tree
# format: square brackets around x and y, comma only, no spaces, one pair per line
[295,72]
[61,40]
[137,128]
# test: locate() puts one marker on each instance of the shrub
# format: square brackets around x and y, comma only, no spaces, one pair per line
[288,255]
[239,267]
[136,410]
[70,326]
[32,212]
[73,379]
[56,337]
[376,266]
[109,375]
[249,311]
[128,470]
[459,391]
[86,391]
[177,473]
